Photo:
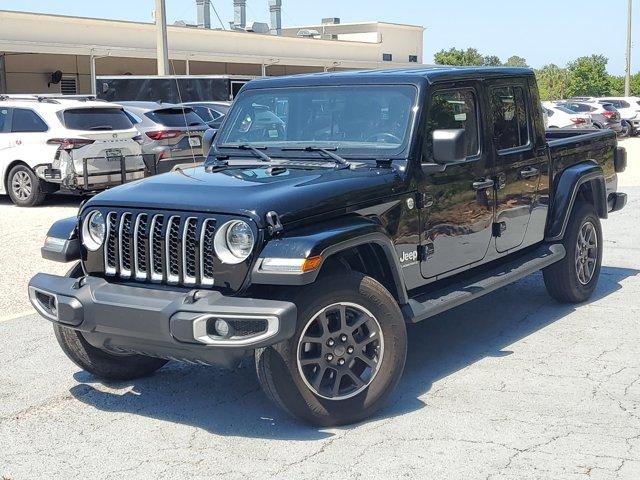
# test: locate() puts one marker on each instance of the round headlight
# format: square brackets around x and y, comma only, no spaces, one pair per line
[233,242]
[93,231]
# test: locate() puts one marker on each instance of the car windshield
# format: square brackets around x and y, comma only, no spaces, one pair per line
[565,109]
[356,119]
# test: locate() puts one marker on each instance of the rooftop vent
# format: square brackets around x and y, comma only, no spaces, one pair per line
[257,27]
[275,8]
[204,13]
[239,14]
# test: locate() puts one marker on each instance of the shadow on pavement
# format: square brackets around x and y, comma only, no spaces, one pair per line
[231,403]
[53,200]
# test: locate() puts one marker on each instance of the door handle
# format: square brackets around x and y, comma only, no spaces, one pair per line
[529,173]
[483,184]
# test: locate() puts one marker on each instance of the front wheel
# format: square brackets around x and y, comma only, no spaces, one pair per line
[574,278]
[100,363]
[346,357]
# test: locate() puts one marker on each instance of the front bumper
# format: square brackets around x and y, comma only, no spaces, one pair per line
[162,323]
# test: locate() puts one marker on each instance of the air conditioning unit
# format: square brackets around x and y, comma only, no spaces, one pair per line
[257,27]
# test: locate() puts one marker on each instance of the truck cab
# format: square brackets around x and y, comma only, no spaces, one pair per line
[333,210]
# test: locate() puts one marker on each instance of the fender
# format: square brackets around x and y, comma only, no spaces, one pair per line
[566,189]
[324,240]
[62,243]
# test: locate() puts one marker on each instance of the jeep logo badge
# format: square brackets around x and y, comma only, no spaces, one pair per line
[409,256]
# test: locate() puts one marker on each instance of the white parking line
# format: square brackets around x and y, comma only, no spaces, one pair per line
[17,315]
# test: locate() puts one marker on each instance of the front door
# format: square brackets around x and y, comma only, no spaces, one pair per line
[517,166]
[458,200]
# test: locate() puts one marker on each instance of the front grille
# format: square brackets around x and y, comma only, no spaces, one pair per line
[163,248]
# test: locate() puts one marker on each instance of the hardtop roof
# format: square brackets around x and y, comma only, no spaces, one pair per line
[421,75]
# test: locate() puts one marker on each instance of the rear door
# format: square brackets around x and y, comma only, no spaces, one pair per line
[458,200]
[517,164]
[181,133]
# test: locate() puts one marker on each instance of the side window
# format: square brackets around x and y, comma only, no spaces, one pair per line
[25,121]
[133,117]
[510,121]
[4,119]
[624,104]
[453,110]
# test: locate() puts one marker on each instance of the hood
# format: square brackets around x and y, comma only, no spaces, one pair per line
[294,193]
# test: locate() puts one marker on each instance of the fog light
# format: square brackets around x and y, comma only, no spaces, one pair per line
[223,329]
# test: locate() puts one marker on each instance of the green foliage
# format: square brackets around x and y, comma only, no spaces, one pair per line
[552,82]
[588,76]
[516,61]
[491,61]
[454,56]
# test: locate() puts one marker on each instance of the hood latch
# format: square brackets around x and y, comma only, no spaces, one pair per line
[273,223]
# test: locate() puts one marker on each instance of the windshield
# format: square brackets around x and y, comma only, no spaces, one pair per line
[356,119]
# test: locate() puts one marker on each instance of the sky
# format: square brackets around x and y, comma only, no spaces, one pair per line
[542,31]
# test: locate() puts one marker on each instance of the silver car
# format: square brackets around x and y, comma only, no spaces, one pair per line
[172,134]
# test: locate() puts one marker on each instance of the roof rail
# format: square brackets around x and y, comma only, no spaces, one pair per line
[49,98]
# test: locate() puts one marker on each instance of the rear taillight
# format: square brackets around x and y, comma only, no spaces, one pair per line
[162,134]
[578,121]
[70,143]
[609,115]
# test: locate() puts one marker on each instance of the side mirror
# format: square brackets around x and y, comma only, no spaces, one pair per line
[207,140]
[449,146]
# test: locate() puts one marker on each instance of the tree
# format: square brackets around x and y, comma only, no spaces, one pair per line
[552,82]
[516,61]
[454,56]
[635,85]
[588,77]
[491,61]
[616,86]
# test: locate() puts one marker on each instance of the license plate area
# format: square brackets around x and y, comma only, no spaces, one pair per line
[195,141]
[113,154]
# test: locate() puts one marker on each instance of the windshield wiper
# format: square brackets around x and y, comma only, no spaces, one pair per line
[327,151]
[255,150]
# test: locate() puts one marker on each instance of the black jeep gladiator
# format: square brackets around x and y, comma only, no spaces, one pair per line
[332,210]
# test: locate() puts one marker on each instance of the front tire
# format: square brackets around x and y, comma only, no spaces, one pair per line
[347,354]
[24,187]
[100,363]
[574,278]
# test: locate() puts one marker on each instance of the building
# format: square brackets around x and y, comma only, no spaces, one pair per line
[34,46]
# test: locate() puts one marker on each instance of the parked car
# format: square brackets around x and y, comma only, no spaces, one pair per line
[172,134]
[602,115]
[561,117]
[311,247]
[212,113]
[629,108]
[50,144]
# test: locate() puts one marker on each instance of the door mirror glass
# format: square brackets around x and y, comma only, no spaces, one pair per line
[449,146]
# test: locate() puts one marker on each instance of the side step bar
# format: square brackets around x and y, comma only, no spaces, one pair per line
[432,303]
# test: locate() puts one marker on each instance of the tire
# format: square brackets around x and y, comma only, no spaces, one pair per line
[100,363]
[286,374]
[564,280]
[626,129]
[24,187]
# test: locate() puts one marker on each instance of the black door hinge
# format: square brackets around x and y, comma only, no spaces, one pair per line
[423,201]
[498,228]
[425,252]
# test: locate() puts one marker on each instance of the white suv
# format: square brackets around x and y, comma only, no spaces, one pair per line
[629,108]
[50,144]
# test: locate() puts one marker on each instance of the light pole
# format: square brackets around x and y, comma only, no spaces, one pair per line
[627,78]
[161,38]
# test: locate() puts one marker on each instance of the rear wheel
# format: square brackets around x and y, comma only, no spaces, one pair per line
[100,363]
[574,279]
[24,187]
[346,357]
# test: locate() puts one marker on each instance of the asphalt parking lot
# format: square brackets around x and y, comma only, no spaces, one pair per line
[511,386]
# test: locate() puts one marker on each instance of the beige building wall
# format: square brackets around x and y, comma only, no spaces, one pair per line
[35,45]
